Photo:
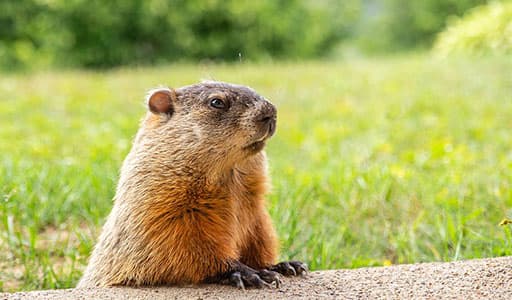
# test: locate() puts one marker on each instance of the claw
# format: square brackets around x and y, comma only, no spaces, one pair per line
[248,277]
[278,282]
[270,277]
[256,281]
[236,280]
[242,276]
[292,268]
[303,271]
[291,271]
[300,267]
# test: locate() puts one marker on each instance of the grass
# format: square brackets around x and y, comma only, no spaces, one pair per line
[375,162]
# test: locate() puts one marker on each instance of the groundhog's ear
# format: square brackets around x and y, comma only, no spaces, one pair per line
[161,101]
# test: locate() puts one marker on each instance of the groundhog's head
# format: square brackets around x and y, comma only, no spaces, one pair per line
[220,118]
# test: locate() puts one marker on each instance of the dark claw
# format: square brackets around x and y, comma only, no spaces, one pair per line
[284,268]
[300,267]
[291,268]
[236,280]
[270,277]
[248,277]
[256,281]
[242,276]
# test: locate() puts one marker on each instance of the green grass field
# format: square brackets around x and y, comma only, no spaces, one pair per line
[375,162]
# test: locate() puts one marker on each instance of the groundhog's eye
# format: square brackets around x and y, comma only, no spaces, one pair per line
[217,103]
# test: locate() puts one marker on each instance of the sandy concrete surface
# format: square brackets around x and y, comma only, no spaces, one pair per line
[472,279]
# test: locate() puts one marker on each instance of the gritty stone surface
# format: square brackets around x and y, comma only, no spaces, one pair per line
[472,279]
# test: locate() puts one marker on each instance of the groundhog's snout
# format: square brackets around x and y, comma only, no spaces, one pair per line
[267,118]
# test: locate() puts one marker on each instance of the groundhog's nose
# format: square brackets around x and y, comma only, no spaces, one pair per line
[268,118]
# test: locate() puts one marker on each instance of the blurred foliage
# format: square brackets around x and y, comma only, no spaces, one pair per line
[103,34]
[485,29]
[407,24]
[96,33]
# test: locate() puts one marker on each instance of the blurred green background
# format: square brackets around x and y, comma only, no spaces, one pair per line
[103,34]
[394,122]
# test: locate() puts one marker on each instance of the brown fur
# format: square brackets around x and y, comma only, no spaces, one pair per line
[189,204]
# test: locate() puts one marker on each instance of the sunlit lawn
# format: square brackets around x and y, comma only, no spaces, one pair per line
[375,162]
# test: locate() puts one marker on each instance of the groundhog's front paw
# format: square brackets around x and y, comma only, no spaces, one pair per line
[247,277]
[290,268]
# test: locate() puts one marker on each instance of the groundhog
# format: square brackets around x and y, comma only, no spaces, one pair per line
[189,206]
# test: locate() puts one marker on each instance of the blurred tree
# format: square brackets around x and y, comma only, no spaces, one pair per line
[406,24]
[97,33]
[102,34]
[485,30]
[23,24]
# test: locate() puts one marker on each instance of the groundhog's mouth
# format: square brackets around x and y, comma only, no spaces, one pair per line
[259,143]
[256,146]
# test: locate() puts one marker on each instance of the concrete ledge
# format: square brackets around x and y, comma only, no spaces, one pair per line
[472,279]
